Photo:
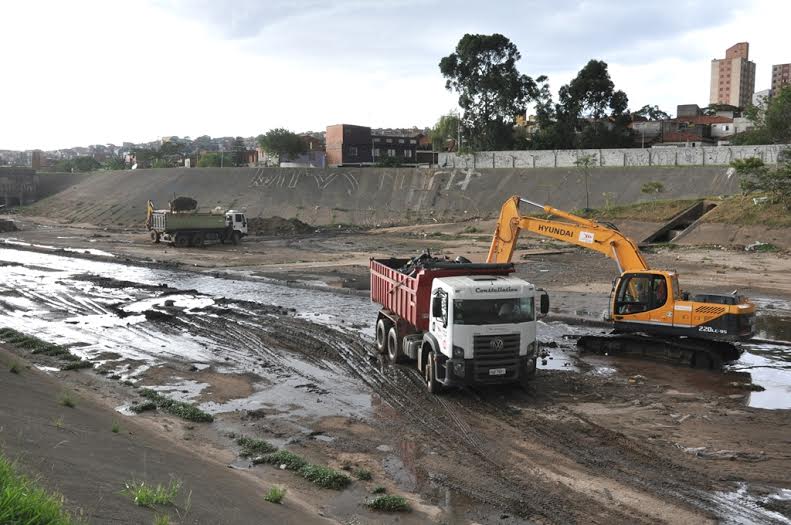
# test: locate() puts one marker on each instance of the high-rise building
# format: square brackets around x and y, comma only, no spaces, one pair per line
[733,77]
[781,76]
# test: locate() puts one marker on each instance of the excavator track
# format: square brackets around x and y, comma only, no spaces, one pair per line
[695,353]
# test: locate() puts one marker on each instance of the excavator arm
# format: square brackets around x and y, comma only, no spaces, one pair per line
[605,239]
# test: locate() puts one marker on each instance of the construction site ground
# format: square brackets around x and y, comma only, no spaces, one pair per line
[273,338]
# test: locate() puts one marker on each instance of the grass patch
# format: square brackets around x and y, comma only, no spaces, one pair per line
[116,428]
[147,495]
[363,474]
[320,475]
[379,489]
[741,209]
[254,447]
[275,494]
[655,211]
[161,519]
[66,400]
[389,503]
[14,369]
[282,457]
[40,347]
[325,477]
[77,365]
[145,406]
[23,502]
[187,411]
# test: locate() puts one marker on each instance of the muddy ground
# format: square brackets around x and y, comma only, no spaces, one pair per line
[273,338]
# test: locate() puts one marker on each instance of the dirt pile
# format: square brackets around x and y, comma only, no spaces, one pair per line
[278,226]
[7,225]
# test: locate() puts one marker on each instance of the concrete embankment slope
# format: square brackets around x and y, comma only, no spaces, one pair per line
[368,196]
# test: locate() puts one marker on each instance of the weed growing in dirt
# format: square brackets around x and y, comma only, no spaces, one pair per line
[161,519]
[147,495]
[325,477]
[116,428]
[389,503]
[14,368]
[253,447]
[21,501]
[379,489]
[275,494]
[145,406]
[66,400]
[180,409]
[363,474]
[77,365]
[58,422]
[41,347]
[282,457]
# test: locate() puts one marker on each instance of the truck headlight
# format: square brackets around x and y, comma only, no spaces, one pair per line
[458,352]
[458,369]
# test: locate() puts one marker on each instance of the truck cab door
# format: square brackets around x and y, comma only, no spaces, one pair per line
[439,325]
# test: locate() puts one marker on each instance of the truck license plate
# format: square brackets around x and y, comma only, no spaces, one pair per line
[497,372]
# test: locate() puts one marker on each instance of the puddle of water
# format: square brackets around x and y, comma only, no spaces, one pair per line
[181,389]
[742,508]
[768,366]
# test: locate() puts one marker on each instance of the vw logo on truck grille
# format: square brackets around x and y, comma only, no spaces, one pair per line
[496,344]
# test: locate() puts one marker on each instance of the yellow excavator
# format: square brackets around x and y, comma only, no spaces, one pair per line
[650,313]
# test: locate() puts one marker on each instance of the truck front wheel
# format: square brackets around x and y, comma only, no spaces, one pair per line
[381,336]
[430,375]
[154,236]
[393,348]
[236,237]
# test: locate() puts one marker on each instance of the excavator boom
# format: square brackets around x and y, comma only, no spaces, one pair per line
[582,232]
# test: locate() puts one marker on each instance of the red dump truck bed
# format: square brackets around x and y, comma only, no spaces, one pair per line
[408,295]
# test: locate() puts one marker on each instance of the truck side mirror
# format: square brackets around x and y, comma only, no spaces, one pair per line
[544,306]
[436,306]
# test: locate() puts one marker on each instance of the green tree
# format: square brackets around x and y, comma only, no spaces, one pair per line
[759,178]
[492,92]
[651,113]
[213,160]
[585,163]
[238,152]
[115,163]
[386,161]
[144,157]
[81,164]
[772,122]
[283,143]
[590,112]
[446,128]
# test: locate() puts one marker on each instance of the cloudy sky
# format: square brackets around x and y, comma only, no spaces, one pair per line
[85,72]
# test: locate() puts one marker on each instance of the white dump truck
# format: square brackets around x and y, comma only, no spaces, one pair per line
[461,323]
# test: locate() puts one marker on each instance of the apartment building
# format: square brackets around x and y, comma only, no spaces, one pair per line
[733,77]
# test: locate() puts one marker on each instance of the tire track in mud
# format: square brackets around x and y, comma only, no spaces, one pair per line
[613,455]
[492,481]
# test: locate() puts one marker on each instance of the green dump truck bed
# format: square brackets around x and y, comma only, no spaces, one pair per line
[165,221]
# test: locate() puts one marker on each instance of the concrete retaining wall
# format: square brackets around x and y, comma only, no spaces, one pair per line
[368,196]
[666,156]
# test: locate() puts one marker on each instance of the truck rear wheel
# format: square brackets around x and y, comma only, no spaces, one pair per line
[381,335]
[181,240]
[154,236]
[393,347]
[429,374]
[197,239]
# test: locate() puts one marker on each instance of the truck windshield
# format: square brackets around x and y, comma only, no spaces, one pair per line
[493,311]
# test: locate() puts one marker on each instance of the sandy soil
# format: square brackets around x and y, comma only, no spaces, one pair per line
[593,440]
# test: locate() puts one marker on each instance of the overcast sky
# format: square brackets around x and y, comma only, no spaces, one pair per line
[83,72]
